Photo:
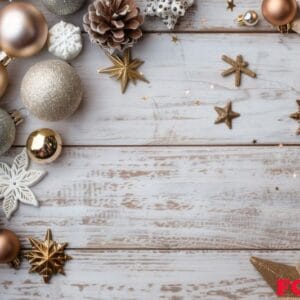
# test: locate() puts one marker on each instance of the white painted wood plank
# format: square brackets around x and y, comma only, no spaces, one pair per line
[141,275]
[185,86]
[205,15]
[162,197]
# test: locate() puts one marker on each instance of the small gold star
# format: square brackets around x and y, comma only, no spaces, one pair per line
[124,69]
[47,257]
[226,115]
[230,4]
[296,116]
[238,67]
[175,39]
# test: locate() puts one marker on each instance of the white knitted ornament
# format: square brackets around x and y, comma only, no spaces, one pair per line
[65,41]
[168,10]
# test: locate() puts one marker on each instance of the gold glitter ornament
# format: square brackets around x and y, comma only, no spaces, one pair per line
[44,146]
[238,67]
[124,69]
[9,248]
[226,115]
[51,90]
[273,271]
[47,257]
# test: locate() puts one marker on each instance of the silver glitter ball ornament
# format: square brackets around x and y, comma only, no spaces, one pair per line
[7,131]
[63,7]
[51,90]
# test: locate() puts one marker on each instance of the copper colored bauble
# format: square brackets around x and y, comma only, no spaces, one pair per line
[3,80]
[23,30]
[44,145]
[9,248]
[279,12]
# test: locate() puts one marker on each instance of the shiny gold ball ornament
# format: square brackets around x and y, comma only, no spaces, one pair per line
[23,29]
[51,90]
[249,18]
[279,12]
[44,146]
[9,248]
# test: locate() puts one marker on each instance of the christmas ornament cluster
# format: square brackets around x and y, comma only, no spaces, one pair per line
[52,90]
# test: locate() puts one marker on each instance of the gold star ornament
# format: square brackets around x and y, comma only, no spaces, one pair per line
[226,115]
[124,69]
[238,67]
[296,116]
[47,257]
[230,4]
[272,272]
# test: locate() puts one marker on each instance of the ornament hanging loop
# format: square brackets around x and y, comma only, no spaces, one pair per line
[285,29]
[5,59]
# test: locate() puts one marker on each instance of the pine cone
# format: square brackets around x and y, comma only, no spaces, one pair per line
[113,24]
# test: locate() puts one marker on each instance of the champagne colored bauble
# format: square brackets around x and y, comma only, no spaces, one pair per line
[7,131]
[9,247]
[51,90]
[44,145]
[3,80]
[23,30]
[279,12]
[63,8]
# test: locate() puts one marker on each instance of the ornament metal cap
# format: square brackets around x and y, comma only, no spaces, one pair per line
[16,116]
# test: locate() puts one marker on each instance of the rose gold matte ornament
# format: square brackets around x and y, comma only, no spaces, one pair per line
[3,80]
[9,248]
[23,30]
[279,12]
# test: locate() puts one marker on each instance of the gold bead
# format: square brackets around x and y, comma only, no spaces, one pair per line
[44,145]
[249,18]
[23,29]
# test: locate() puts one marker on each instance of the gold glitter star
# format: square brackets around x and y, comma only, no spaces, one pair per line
[175,39]
[47,257]
[238,67]
[226,115]
[230,4]
[124,69]
[296,116]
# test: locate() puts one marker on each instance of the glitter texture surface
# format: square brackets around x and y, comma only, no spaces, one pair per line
[51,90]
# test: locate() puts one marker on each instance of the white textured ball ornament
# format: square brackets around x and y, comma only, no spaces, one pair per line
[65,41]
[63,7]
[51,90]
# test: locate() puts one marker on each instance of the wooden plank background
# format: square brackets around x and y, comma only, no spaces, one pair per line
[155,200]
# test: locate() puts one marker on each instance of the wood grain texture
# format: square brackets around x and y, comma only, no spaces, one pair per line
[135,275]
[161,197]
[185,86]
[204,16]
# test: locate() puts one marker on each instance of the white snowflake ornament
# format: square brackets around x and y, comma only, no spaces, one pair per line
[168,10]
[65,41]
[15,182]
